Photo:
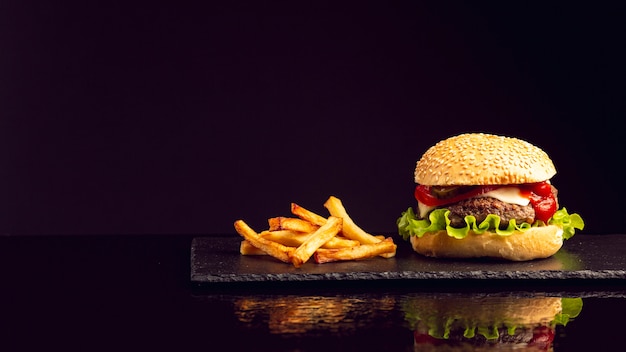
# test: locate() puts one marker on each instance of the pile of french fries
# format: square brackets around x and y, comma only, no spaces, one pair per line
[296,239]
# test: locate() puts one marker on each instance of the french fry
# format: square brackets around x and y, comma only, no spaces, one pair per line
[276,250]
[294,239]
[286,237]
[246,248]
[307,215]
[350,229]
[341,242]
[316,240]
[363,251]
[294,224]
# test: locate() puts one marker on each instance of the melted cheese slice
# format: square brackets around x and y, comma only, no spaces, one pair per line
[423,209]
[512,195]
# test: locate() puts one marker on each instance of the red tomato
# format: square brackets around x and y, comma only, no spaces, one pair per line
[544,207]
[540,195]
[424,195]
[542,338]
[421,338]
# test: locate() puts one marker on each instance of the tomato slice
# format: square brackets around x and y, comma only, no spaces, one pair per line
[544,207]
[540,195]
[543,337]
[423,195]
[542,200]
[420,338]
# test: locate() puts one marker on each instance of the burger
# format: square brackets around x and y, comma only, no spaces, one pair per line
[488,322]
[483,195]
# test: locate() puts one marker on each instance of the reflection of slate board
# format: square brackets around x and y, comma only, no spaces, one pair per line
[583,257]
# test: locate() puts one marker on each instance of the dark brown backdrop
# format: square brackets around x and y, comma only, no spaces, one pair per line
[180,118]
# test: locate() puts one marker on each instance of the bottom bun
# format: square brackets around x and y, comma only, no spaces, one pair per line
[514,310]
[535,243]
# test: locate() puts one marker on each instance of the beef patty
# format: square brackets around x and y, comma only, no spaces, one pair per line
[482,206]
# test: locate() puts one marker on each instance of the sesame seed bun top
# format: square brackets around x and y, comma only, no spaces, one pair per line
[483,159]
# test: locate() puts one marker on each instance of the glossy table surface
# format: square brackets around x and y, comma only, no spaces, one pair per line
[138,292]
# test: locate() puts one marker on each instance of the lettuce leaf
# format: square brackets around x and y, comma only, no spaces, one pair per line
[570,309]
[568,222]
[410,225]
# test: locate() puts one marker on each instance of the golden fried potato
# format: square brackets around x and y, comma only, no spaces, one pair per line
[276,250]
[363,251]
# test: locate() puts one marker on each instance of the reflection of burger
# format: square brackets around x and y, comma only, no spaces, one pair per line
[488,323]
[481,195]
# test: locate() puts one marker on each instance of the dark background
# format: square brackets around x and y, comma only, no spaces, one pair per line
[161,118]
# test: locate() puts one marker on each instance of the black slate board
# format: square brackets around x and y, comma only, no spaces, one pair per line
[583,257]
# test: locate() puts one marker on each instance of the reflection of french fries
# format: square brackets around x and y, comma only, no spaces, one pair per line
[316,240]
[276,250]
[350,229]
[296,240]
[294,224]
[363,251]
[342,314]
